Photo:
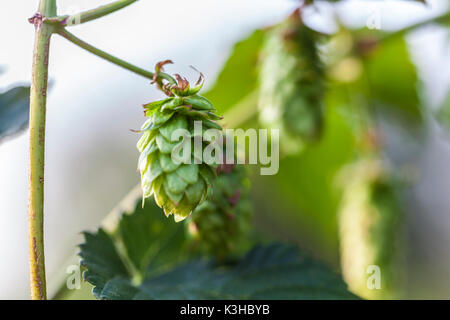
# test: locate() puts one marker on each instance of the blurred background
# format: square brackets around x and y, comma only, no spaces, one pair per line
[92,105]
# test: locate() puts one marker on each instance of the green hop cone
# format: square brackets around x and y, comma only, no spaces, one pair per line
[220,224]
[370,231]
[177,185]
[291,82]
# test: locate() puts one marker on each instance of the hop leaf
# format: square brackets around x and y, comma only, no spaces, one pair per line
[219,225]
[177,185]
[291,82]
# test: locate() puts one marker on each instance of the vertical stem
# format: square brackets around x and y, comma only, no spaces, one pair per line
[38,97]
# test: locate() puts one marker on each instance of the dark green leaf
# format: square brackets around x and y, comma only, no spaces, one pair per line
[14,111]
[118,289]
[267,272]
[145,243]
[100,256]
[151,240]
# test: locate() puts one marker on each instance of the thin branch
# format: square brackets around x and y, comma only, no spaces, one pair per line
[89,15]
[121,63]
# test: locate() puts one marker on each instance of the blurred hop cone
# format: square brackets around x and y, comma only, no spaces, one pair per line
[370,230]
[219,225]
[291,83]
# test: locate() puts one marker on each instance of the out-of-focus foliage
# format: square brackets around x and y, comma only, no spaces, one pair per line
[14,111]
[374,79]
[375,74]
[443,113]
[392,79]
[302,196]
[238,77]
[367,76]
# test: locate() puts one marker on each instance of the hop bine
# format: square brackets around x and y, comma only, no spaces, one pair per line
[177,186]
[291,82]
[220,224]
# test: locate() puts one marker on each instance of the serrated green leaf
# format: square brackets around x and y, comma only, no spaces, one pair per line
[145,240]
[117,288]
[150,240]
[267,272]
[99,254]
[14,111]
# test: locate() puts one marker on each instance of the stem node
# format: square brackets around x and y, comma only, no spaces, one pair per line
[36,19]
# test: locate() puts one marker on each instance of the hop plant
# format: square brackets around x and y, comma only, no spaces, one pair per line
[370,233]
[291,82]
[177,186]
[219,225]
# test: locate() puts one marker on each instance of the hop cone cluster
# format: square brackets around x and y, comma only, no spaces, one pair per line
[219,225]
[370,230]
[291,81]
[177,187]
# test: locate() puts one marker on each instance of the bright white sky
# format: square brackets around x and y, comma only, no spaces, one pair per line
[90,152]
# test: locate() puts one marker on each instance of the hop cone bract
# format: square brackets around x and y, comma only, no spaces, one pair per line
[177,187]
